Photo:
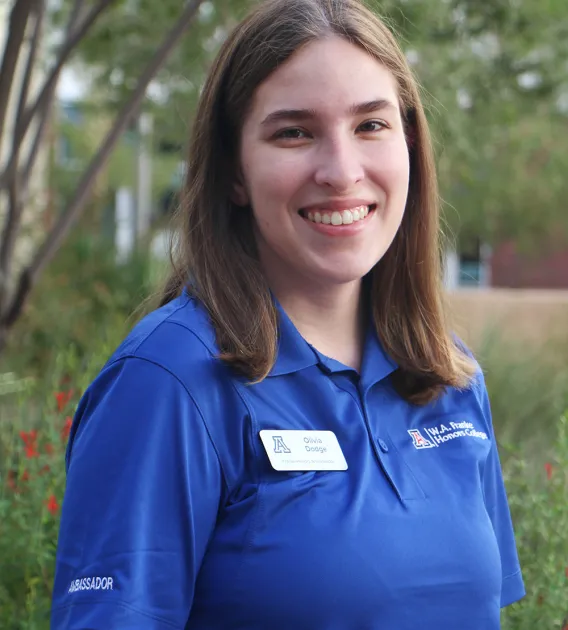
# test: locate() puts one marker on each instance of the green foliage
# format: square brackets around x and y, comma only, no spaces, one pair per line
[128,34]
[528,389]
[539,507]
[84,298]
[499,140]
[81,140]
[34,425]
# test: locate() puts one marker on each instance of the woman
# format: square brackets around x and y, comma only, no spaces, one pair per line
[294,440]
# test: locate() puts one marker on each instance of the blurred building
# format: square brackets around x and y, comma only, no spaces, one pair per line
[506,266]
[510,268]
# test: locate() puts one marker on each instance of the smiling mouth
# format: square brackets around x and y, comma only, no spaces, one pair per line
[336,217]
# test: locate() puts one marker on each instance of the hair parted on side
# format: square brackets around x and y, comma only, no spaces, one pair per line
[215,256]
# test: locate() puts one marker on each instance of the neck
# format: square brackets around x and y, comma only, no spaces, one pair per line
[330,318]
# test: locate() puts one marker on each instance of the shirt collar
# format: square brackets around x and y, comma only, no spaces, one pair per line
[376,365]
[295,354]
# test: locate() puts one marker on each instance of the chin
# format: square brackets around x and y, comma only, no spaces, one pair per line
[344,276]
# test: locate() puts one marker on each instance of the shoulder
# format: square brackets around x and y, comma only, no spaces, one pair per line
[177,337]
[476,392]
[165,377]
[477,384]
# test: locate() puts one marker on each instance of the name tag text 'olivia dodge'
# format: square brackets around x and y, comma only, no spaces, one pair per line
[303,450]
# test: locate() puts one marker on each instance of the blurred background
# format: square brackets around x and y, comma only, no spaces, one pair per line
[96,102]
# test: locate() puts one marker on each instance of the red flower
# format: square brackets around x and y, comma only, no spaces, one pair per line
[62,399]
[549,470]
[45,469]
[66,428]
[11,483]
[52,505]
[566,570]
[25,476]
[30,440]
[49,449]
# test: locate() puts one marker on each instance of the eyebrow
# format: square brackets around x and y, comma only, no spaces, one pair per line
[307,114]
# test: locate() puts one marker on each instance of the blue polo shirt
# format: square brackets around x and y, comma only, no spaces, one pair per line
[174,517]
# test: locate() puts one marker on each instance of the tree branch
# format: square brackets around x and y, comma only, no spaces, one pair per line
[74,38]
[16,33]
[17,304]
[73,210]
[28,72]
[33,153]
[13,210]
[45,113]
[10,232]
[75,15]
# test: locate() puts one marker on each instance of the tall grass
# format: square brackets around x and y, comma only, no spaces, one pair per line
[528,390]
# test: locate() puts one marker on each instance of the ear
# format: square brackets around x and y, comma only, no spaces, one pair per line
[239,193]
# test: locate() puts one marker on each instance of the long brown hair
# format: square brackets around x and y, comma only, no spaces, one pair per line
[215,256]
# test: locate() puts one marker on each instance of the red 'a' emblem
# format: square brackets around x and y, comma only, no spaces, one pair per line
[418,440]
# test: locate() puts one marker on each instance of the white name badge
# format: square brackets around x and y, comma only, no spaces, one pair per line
[303,450]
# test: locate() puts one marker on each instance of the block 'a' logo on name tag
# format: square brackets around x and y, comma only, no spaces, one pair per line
[279,445]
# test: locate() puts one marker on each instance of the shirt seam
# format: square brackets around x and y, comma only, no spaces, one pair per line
[123,605]
[150,333]
[512,575]
[168,371]
[253,431]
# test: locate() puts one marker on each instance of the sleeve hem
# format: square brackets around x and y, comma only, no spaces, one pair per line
[513,589]
[105,613]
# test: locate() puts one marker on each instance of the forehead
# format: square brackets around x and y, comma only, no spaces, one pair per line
[326,75]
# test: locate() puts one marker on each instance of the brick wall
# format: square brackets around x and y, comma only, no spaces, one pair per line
[513,270]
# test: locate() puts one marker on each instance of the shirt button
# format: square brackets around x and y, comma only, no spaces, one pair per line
[383,446]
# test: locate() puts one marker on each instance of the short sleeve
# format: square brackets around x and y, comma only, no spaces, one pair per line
[498,509]
[144,485]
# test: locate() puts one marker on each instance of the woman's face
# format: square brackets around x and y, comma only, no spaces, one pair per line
[325,165]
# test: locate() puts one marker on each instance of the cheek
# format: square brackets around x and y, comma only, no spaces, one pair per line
[272,184]
[394,170]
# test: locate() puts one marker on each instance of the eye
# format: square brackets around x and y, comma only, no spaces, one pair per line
[293,133]
[373,125]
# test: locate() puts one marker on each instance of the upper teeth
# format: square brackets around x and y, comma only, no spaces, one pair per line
[339,218]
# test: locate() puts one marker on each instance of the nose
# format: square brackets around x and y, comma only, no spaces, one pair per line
[339,166]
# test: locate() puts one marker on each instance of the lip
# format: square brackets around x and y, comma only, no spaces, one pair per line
[341,231]
[338,205]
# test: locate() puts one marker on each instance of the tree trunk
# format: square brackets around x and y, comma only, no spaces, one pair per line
[12,311]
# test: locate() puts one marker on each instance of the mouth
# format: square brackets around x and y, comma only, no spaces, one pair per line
[336,217]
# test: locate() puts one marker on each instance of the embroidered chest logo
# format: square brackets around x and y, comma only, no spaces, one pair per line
[438,435]
[279,445]
[418,440]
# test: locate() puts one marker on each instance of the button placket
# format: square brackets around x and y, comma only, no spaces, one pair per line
[395,468]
